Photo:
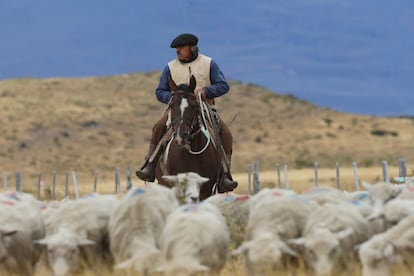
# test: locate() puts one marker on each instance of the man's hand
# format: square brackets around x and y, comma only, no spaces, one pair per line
[201,92]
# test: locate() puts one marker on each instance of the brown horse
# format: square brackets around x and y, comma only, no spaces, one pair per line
[191,147]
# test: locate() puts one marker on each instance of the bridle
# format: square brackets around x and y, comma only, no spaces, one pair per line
[189,135]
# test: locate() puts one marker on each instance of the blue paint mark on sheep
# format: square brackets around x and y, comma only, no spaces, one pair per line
[137,192]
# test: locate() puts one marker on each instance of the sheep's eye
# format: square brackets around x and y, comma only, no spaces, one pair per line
[311,254]
[333,252]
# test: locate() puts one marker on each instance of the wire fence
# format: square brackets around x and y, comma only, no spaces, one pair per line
[254,175]
[253,185]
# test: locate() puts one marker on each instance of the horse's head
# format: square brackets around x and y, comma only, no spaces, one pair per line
[183,111]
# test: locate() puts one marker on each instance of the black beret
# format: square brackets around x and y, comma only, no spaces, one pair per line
[184,39]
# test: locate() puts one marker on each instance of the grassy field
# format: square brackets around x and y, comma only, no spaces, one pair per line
[104,123]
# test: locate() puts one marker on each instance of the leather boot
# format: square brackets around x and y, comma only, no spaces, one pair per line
[147,172]
[228,185]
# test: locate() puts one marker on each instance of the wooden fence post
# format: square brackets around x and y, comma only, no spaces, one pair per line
[39,180]
[402,168]
[95,181]
[75,185]
[338,181]
[5,182]
[385,174]
[286,177]
[256,181]
[249,178]
[354,165]
[18,182]
[66,184]
[117,181]
[128,178]
[53,185]
[279,183]
[316,174]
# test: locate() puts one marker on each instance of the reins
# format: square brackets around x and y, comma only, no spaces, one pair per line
[203,124]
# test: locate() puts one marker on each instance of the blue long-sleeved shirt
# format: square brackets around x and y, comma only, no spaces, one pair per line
[218,87]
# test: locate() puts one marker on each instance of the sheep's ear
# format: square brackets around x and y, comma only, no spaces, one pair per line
[202,180]
[356,247]
[298,241]
[8,232]
[286,249]
[396,190]
[125,264]
[202,268]
[172,179]
[86,242]
[344,233]
[242,248]
[40,242]
[388,251]
[281,230]
[366,185]
[376,215]
[159,269]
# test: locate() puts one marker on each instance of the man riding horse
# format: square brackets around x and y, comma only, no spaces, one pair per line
[211,83]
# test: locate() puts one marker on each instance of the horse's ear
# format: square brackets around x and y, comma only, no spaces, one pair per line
[173,86]
[193,83]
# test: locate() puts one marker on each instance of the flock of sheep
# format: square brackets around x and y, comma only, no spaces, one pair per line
[154,230]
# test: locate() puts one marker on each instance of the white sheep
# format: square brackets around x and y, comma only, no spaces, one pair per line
[186,186]
[380,193]
[273,220]
[49,209]
[324,194]
[397,209]
[136,224]
[195,239]
[277,192]
[362,200]
[382,251]
[330,234]
[20,224]
[407,192]
[77,236]
[235,208]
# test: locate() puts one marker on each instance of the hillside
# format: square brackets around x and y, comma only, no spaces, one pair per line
[104,123]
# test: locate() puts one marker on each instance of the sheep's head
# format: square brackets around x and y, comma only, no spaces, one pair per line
[377,257]
[63,251]
[322,248]
[265,252]
[186,186]
[5,236]
[380,193]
